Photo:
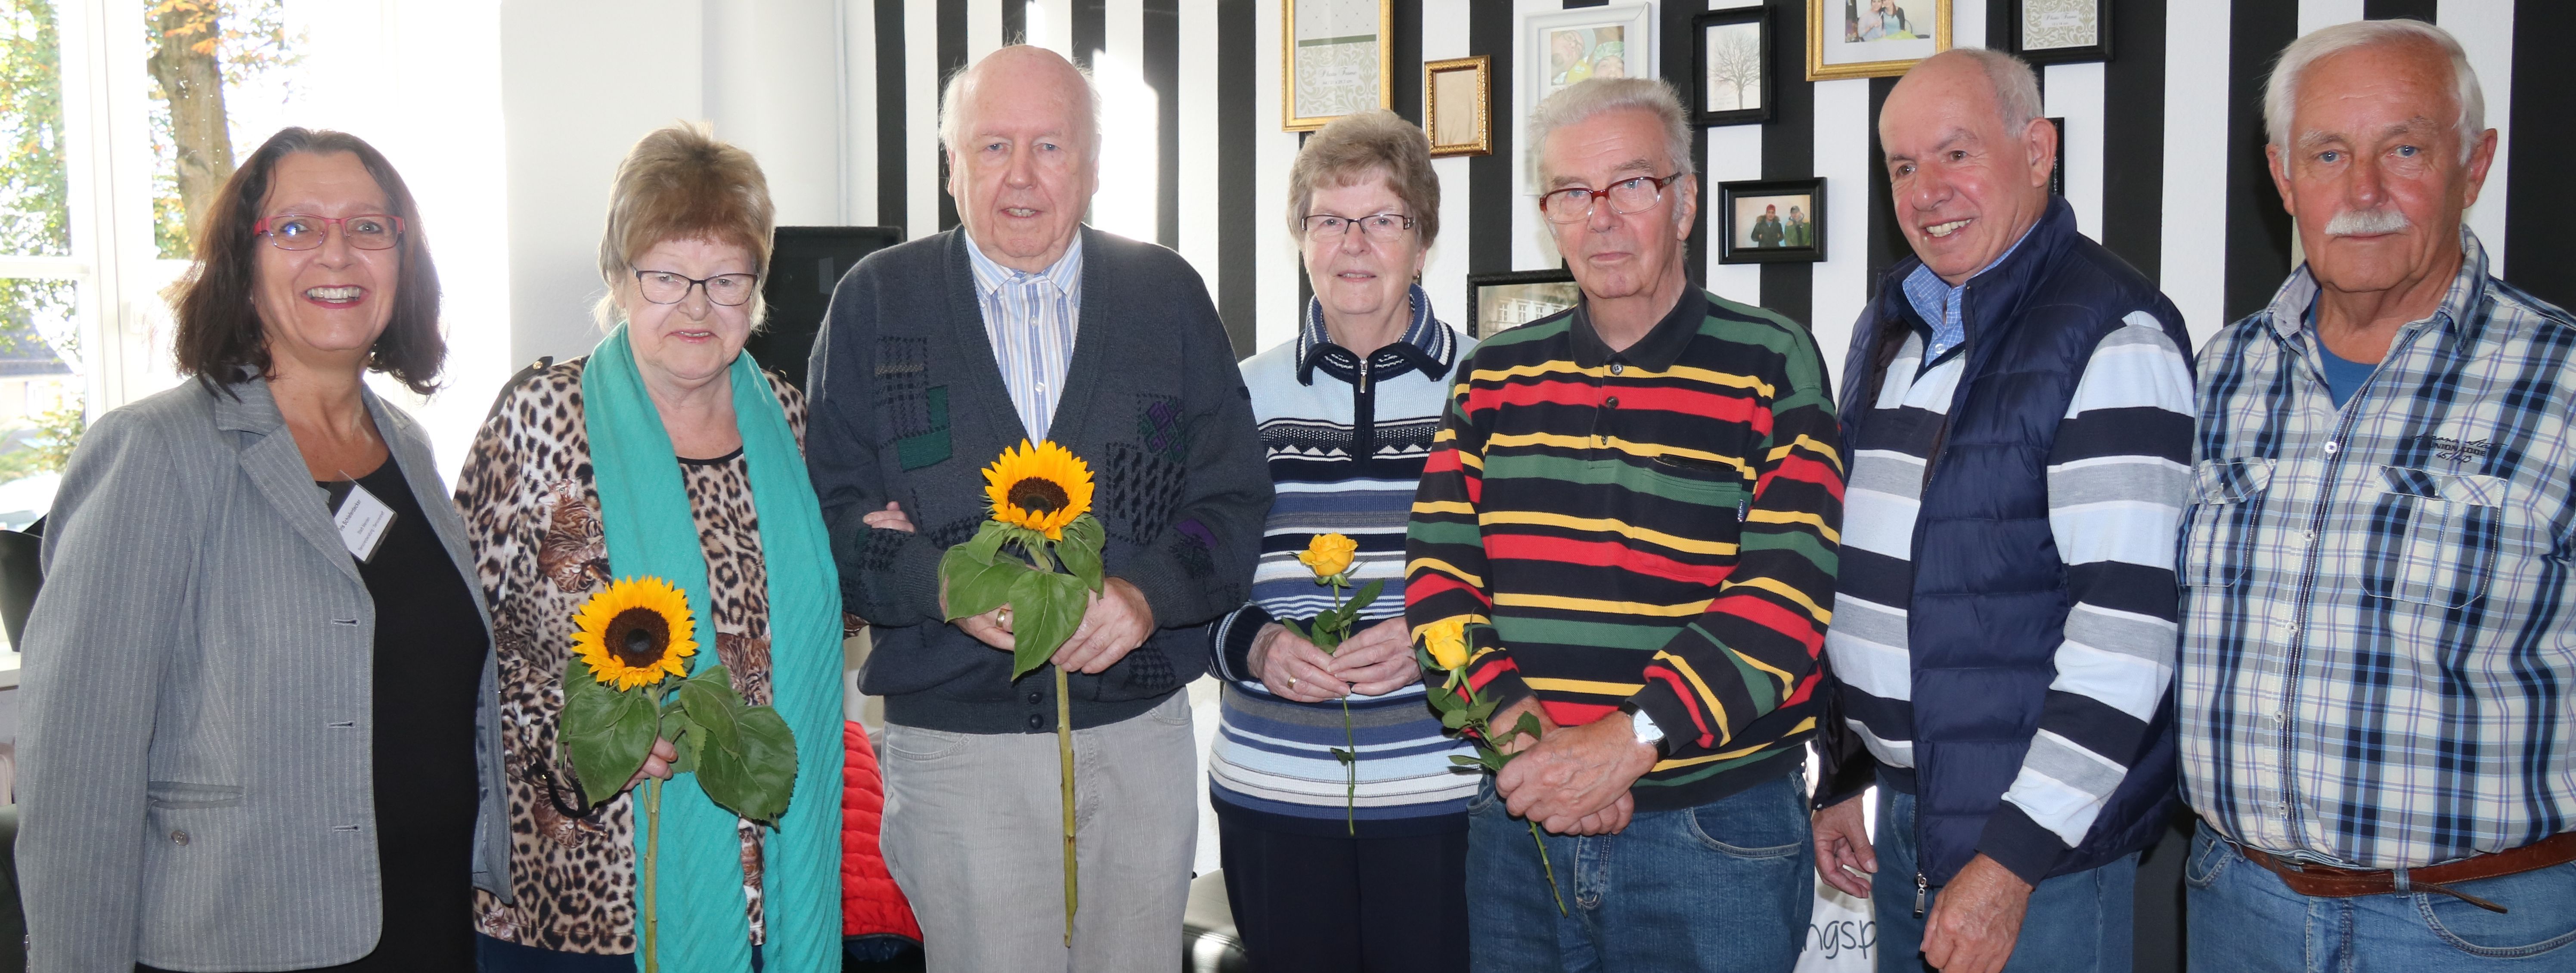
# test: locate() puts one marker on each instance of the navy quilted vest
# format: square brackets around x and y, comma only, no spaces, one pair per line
[1990,597]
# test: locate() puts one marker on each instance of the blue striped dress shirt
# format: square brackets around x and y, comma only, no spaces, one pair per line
[1031,318]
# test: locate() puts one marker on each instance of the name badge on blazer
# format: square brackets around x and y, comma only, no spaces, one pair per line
[362,519]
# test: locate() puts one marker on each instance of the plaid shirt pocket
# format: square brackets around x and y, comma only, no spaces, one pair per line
[2445,554]
[2217,550]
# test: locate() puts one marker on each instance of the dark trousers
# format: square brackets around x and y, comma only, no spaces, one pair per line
[1308,903]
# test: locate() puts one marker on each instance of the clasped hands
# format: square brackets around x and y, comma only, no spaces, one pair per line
[1376,661]
[1575,779]
[1115,620]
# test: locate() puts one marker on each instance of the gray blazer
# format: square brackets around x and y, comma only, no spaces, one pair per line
[196,749]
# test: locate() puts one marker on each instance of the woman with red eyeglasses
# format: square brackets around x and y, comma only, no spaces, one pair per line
[260,727]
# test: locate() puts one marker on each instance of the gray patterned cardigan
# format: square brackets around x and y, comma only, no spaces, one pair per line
[909,407]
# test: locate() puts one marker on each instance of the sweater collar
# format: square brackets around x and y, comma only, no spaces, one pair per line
[1427,345]
[1658,350]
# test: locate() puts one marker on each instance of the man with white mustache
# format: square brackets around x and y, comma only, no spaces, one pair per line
[2375,691]
[2018,406]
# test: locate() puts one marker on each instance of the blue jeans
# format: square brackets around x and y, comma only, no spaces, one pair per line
[1723,886]
[2078,923]
[2244,919]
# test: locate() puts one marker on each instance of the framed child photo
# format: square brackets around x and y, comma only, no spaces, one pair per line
[1771,221]
[1873,38]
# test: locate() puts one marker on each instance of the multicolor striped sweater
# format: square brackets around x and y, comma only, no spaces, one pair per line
[1346,440]
[1654,526]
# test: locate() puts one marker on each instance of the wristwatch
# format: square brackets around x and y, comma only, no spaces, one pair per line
[1647,732]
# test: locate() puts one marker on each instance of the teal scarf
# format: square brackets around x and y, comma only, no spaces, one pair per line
[646,515]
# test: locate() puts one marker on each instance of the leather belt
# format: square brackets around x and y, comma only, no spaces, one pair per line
[2325,881]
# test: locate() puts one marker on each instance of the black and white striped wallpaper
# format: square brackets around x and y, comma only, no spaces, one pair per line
[2164,142]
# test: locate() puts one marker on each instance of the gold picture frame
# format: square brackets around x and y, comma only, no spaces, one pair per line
[1849,51]
[1449,123]
[1326,76]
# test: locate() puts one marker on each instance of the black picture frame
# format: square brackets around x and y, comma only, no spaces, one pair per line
[1702,64]
[2057,173]
[1479,303]
[1730,248]
[2099,50]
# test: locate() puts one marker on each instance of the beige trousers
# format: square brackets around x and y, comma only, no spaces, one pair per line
[974,833]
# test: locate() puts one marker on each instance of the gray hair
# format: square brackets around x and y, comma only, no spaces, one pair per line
[1357,144]
[1583,101]
[2016,86]
[2281,93]
[951,103]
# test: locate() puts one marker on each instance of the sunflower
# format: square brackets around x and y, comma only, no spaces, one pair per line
[636,633]
[1041,488]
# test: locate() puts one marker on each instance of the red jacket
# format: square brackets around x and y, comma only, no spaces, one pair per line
[871,905]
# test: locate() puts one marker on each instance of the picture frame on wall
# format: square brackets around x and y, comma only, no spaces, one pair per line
[1337,58]
[1561,47]
[2057,172]
[1498,302]
[1771,221]
[1873,38]
[1458,105]
[2061,31]
[1733,54]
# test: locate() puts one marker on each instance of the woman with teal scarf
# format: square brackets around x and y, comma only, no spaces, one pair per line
[664,453]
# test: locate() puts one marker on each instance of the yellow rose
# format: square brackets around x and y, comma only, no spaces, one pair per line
[1329,555]
[1447,640]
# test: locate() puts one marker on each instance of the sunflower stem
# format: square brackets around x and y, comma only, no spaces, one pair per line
[652,857]
[1064,759]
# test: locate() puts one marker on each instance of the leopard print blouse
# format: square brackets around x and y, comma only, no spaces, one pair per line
[532,510]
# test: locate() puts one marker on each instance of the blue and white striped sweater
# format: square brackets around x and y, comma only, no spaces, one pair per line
[1272,756]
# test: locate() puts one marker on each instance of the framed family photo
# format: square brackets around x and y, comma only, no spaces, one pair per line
[1559,48]
[1338,57]
[1501,301]
[2061,31]
[1734,65]
[1873,38]
[1457,105]
[1771,221]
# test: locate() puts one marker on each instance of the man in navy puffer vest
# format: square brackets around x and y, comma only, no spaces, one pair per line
[2018,409]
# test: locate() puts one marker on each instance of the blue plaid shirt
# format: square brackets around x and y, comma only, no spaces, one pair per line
[2376,669]
[1938,301]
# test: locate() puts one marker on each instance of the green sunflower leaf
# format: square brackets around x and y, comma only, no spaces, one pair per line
[986,543]
[1080,552]
[976,587]
[606,734]
[1045,609]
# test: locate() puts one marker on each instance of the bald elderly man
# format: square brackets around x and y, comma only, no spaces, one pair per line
[2018,408]
[937,355]
[2377,695]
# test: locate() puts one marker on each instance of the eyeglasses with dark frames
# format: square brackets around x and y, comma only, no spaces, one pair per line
[299,231]
[666,287]
[1381,227]
[1574,203]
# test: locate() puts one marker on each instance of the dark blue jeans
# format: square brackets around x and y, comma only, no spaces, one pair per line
[2077,923]
[2244,919]
[1723,886]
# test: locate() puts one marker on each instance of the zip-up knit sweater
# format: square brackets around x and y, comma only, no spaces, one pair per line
[1346,439]
[1654,527]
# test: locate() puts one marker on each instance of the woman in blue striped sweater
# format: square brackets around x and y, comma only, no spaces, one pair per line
[1324,874]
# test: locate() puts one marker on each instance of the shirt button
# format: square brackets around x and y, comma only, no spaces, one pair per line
[1616,368]
[2331,446]
[179,838]
[1612,402]
[1036,697]
[1036,721]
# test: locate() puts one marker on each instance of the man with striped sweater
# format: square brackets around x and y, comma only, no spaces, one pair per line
[2018,405]
[1633,505]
